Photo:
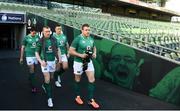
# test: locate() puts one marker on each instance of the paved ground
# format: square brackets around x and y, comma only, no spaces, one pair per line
[15,93]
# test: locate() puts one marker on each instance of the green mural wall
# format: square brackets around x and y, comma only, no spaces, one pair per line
[137,71]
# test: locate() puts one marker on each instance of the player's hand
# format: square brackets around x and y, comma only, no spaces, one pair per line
[83,56]
[21,61]
[94,55]
[43,63]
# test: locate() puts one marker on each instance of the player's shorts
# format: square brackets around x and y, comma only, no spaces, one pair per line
[50,67]
[78,67]
[31,60]
[64,58]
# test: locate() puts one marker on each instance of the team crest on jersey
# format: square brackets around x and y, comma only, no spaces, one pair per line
[61,43]
[34,44]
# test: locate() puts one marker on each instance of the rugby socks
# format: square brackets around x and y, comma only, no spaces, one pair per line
[32,80]
[91,88]
[48,89]
[61,71]
[56,75]
[77,88]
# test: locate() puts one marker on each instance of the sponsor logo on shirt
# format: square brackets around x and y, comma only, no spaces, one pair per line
[49,49]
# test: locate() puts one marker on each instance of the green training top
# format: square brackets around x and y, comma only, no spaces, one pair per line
[30,45]
[81,44]
[62,40]
[50,56]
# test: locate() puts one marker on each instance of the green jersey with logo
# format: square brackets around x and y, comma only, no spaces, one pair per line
[30,45]
[50,56]
[81,44]
[62,41]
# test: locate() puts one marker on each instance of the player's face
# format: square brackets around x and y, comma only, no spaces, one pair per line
[33,33]
[58,30]
[86,31]
[46,32]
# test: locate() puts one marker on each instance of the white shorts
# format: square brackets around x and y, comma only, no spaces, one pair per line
[31,60]
[51,67]
[64,58]
[78,67]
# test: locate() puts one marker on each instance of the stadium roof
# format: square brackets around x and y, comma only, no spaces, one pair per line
[126,3]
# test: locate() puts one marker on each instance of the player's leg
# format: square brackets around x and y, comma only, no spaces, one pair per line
[46,85]
[77,78]
[61,68]
[56,74]
[32,79]
[91,85]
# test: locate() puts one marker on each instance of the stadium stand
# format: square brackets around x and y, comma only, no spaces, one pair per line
[159,38]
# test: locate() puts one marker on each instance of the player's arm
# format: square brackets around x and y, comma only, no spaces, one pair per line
[72,51]
[59,55]
[22,54]
[73,47]
[58,51]
[94,52]
[22,50]
[38,48]
[42,62]
[67,47]
[38,57]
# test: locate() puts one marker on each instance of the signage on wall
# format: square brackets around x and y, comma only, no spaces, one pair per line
[12,18]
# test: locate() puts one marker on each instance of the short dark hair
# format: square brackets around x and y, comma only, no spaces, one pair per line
[32,29]
[84,25]
[46,27]
[58,25]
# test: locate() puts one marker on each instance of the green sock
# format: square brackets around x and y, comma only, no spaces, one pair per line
[56,75]
[48,90]
[61,71]
[77,88]
[91,88]
[32,79]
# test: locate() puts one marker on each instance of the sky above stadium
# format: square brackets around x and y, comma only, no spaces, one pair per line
[173,5]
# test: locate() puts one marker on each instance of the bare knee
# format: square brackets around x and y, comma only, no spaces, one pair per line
[65,66]
[31,68]
[91,80]
[46,77]
[77,78]
[90,76]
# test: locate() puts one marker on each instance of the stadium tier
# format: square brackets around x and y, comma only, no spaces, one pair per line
[159,38]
